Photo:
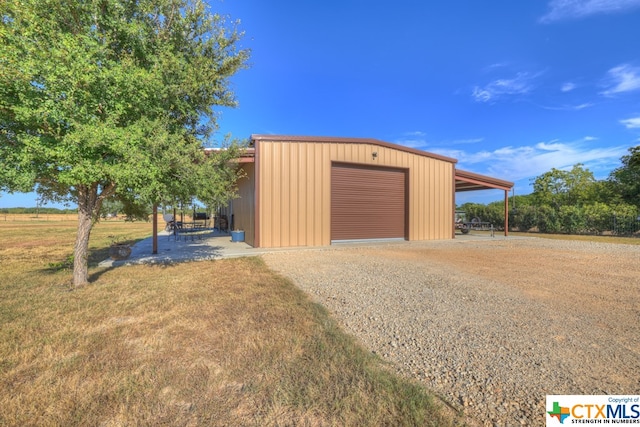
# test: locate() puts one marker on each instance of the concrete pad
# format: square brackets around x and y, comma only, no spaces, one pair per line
[216,245]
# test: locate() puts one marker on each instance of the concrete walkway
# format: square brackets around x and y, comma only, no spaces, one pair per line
[215,245]
[218,245]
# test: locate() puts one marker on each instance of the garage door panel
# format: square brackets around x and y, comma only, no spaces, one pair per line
[367,202]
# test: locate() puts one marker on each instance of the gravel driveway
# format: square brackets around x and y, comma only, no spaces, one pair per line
[491,325]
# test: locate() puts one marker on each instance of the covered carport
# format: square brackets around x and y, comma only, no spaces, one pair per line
[469,181]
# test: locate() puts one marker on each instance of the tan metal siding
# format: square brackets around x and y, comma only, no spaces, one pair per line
[294,182]
[244,206]
[367,202]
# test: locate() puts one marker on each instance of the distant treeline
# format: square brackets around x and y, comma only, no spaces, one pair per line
[574,202]
[36,211]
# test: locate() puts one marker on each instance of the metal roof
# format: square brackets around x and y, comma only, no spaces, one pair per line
[470,181]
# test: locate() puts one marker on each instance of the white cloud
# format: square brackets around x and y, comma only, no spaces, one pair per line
[525,162]
[418,139]
[412,143]
[623,78]
[632,123]
[413,139]
[549,146]
[581,106]
[568,87]
[573,9]
[481,95]
[567,107]
[416,133]
[447,152]
[467,141]
[519,85]
[496,65]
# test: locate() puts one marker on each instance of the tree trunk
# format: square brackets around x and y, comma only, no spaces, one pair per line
[89,203]
[81,248]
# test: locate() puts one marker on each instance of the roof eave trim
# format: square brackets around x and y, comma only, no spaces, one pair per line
[476,178]
[343,140]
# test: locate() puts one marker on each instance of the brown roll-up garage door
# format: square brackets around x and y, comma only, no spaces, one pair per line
[367,202]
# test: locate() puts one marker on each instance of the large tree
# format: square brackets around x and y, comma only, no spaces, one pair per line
[626,178]
[110,98]
[558,188]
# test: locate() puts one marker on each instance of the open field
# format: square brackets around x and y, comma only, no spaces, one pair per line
[9,217]
[208,343]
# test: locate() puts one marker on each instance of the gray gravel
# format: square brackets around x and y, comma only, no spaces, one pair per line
[487,337]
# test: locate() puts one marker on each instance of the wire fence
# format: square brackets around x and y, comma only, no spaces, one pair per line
[622,220]
[577,221]
[624,225]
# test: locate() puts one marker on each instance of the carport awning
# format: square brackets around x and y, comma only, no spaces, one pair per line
[469,181]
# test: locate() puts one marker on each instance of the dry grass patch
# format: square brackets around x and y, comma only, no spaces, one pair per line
[584,238]
[207,343]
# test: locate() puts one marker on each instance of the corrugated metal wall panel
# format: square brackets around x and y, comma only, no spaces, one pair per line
[367,202]
[295,183]
[244,206]
[432,200]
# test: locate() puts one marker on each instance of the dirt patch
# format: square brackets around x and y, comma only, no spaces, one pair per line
[603,279]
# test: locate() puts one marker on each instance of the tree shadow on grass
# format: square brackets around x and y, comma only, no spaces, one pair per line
[177,252]
[96,256]
[65,264]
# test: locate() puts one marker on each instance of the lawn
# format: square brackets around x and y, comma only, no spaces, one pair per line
[209,343]
[625,240]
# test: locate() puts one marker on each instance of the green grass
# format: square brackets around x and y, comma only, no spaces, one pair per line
[584,238]
[208,343]
[578,237]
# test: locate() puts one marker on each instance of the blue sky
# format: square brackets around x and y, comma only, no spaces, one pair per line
[509,88]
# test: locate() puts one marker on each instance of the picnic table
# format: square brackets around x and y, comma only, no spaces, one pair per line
[193,232]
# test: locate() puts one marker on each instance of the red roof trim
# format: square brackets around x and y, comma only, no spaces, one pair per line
[475,181]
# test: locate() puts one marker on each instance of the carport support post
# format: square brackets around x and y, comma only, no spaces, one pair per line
[506,212]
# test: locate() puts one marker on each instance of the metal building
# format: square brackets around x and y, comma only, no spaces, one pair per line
[312,191]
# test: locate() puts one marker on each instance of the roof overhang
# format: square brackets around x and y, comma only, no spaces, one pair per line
[246,156]
[469,181]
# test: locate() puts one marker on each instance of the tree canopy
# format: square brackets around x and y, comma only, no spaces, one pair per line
[112,98]
[626,178]
[561,187]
